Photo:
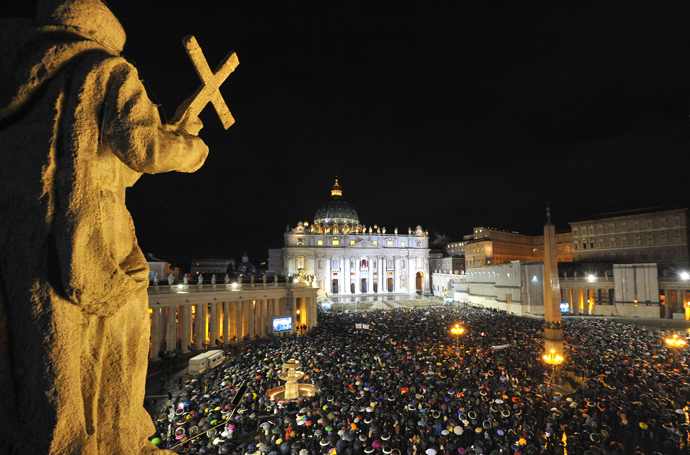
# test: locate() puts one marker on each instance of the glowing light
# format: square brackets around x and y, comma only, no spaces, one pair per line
[553,358]
[591,278]
[457,330]
[685,276]
[675,341]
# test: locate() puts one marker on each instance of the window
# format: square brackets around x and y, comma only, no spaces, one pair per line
[600,229]
[335,242]
[612,228]
[389,242]
[664,238]
[402,244]
[576,245]
[591,230]
[662,222]
[650,240]
[376,242]
[575,231]
[319,242]
[637,239]
[335,263]
[649,224]
[676,237]
[636,225]
[352,242]
[601,243]
[300,262]
[676,221]
[390,263]
[624,227]
[300,240]
[612,242]
[591,243]
[320,264]
[624,241]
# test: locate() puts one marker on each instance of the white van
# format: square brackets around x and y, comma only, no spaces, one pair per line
[204,362]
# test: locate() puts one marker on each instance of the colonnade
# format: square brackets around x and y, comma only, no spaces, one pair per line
[183,326]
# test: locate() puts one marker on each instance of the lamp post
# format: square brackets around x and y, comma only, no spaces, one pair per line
[457,331]
[554,360]
[675,343]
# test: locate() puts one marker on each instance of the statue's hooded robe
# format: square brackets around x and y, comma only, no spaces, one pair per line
[76,129]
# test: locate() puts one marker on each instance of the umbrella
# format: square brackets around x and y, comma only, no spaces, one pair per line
[430,451]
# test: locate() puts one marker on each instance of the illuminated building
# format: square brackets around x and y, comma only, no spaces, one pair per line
[348,258]
[643,235]
[490,246]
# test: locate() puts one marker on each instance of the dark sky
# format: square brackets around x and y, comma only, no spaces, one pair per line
[445,117]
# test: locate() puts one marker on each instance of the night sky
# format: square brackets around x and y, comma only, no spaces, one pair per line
[447,118]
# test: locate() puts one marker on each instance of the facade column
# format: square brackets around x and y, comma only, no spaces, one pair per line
[346,274]
[186,325]
[358,279]
[370,287]
[170,330]
[155,333]
[327,275]
[667,309]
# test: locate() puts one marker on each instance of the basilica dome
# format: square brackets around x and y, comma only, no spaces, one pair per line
[336,210]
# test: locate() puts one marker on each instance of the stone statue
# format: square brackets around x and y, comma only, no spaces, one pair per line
[171,279]
[227,279]
[263,278]
[213,279]
[201,280]
[155,279]
[76,130]
[383,230]
[185,280]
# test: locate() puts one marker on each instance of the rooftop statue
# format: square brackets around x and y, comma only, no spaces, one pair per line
[77,129]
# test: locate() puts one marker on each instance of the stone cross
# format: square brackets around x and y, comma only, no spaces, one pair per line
[211,82]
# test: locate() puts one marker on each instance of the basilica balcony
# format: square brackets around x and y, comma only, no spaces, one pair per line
[364,270]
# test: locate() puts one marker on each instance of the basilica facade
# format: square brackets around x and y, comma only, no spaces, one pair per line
[348,258]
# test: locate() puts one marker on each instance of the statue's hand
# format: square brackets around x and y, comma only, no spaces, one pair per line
[191,125]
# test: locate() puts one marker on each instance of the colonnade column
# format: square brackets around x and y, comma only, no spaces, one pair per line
[213,325]
[170,330]
[237,312]
[186,332]
[226,322]
[199,329]
[155,333]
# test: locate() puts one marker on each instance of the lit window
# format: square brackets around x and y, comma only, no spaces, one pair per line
[319,242]
[402,244]
[389,243]
[376,242]
[352,242]
[300,240]
[335,242]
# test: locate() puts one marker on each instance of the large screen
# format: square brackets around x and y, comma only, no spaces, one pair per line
[282,323]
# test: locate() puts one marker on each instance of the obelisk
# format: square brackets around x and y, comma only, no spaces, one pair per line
[553,331]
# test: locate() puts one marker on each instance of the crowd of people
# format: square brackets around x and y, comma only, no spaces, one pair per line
[407,386]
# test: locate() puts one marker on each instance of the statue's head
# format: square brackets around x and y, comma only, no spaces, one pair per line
[91,19]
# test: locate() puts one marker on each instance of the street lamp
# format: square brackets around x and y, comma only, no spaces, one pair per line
[675,341]
[554,360]
[457,331]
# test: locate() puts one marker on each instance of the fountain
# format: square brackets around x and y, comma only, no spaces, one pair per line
[292,389]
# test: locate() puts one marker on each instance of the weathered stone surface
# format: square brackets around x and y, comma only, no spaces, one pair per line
[76,129]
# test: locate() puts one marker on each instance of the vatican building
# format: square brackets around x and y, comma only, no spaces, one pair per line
[345,258]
